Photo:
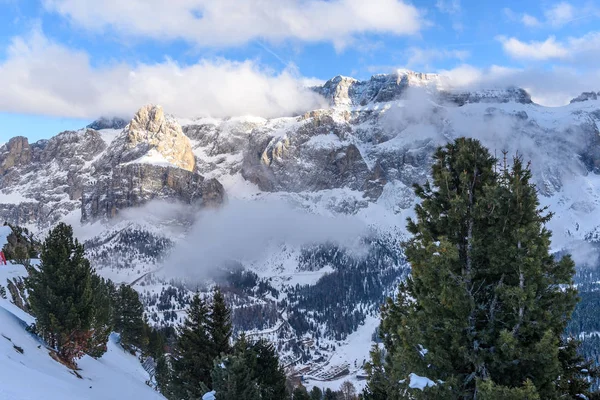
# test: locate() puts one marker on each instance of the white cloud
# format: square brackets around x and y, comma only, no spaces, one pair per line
[247,230]
[449,6]
[549,87]
[560,14]
[235,22]
[530,21]
[534,50]
[42,77]
[582,51]
[555,16]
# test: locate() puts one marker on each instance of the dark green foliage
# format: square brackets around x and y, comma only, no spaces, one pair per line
[577,372]
[191,361]
[300,393]
[164,377]
[329,395]
[378,385]
[21,246]
[129,319]
[102,315]
[220,325]
[252,372]
[60,294]
[316,393]
[486,304]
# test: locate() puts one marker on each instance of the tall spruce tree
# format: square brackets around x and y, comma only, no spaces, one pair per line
[60,294]
[129,319]
[251,372]
[102,316]
[316,393]
[191,360]
[220,324]
[484,309]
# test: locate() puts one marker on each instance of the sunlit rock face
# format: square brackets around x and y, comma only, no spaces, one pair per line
[151,137]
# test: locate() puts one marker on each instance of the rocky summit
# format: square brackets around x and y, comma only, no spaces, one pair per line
[354,161]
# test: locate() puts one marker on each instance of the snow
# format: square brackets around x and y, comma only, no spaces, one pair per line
[32,374]
[109,135]
[14,198]
[4,232]
[152,157]
[419,382]
[209,396]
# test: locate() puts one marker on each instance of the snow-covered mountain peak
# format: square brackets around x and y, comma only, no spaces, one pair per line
[585,96]
[342,91]
[151,137]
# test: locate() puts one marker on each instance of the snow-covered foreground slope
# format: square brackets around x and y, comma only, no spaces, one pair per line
[27,372]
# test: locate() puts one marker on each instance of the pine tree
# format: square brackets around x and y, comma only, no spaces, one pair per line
[60,294]
[164,378]
[300,393]
[233,375]
[484,309]
[102,317]
[268,373]
[129,319]
[378,385]
[316,393]
[220,324]
[252,371]
[329,395]
[192,362]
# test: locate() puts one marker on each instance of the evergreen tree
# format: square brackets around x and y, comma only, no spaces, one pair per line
[329,395]
[192,362]
[220,324]
[378,385]
[102,316]
[60,294]
[268,373]
[233,375]
[577,372]
[316,393]
[300,393]
[129,319]
[484,309]
[21,246]
[164,378]
[252,369]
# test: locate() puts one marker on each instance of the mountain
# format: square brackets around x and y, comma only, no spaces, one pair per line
[298,218]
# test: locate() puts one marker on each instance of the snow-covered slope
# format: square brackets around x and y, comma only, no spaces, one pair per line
[27,372]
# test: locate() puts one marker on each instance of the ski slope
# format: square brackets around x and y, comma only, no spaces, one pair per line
[27,372]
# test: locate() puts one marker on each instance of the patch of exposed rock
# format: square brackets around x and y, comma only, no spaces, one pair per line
[150,130]
[133,185]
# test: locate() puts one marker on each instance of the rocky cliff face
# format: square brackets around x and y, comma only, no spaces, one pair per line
[84,170]
[15,153]
[152,135]
[585,96]
[136,184]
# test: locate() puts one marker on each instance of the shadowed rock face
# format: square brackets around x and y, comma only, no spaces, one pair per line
[135,184]
[108,123]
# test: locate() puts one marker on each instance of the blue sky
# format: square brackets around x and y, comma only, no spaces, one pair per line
[65,62]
